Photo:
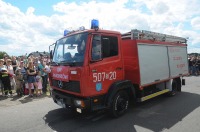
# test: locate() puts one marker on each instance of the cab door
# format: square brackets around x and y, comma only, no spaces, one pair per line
[105,66]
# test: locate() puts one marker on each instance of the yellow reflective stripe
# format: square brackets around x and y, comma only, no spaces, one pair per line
[153,95]
[4,75]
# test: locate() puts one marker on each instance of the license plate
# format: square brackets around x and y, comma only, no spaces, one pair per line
[61,103]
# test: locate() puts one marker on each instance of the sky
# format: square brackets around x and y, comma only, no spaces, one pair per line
[32,25]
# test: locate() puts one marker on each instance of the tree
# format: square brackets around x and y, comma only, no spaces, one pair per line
[1,54]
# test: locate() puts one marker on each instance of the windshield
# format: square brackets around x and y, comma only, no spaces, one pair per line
[71,49]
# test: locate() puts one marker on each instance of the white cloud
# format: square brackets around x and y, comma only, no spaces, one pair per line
[160,8]
[111,15]
[30,11]
[27,32]
[195,22]
[177,10]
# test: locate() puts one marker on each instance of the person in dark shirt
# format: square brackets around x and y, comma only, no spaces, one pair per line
[194,64]
[5,57]
[79,56]
[5,78]
[14,63]
[190,64]
[31,78]
[198,64]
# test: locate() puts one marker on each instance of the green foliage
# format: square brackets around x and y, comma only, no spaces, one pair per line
[1,54]
[194,54]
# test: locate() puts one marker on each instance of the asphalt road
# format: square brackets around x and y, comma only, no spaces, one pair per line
[180,113]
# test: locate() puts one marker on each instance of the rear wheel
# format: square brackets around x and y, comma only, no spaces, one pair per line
[119,104]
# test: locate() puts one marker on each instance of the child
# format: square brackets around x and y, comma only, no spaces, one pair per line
[19,81]
[39,82]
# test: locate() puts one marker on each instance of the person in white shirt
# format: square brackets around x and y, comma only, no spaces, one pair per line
[11,72]
[44,69]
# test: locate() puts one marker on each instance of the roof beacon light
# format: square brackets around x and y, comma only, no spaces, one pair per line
[66,32]
[95,24]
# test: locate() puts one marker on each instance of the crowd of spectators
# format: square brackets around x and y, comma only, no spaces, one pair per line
[194,65]
[24,75]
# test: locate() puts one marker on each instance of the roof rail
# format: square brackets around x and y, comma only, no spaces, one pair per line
[148,35]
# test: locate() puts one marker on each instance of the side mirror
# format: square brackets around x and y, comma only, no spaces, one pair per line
[50,51]
[51,54]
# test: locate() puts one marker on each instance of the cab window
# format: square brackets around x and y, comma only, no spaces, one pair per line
[96,48]
[109,46]
[104,47]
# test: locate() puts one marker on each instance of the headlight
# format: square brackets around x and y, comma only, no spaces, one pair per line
[79,103]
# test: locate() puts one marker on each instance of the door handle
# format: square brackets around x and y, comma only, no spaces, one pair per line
[94,70]
[119,68]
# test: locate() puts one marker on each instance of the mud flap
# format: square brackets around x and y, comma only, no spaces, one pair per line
[183,81]
[61,103]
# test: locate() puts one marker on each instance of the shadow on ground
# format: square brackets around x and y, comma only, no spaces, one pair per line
[29,99]
[156,115]
[20,99]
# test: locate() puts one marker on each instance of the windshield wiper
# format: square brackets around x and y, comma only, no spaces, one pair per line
[54,63]
[67,63]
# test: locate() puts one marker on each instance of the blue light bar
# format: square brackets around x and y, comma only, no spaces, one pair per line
[66,32]
[95,24]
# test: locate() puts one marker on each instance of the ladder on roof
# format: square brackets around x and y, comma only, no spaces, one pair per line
[148,35]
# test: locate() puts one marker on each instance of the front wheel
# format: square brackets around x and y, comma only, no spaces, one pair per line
[119,104]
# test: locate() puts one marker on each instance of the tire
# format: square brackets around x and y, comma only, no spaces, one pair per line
[119,104]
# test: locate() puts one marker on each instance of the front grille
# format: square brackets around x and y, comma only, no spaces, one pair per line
[72,86]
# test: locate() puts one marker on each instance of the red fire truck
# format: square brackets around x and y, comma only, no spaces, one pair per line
[99,69]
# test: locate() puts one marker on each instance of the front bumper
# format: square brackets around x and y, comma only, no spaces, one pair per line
[70,101]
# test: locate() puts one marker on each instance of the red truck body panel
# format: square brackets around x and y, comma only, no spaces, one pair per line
[130,57]
[132,62]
